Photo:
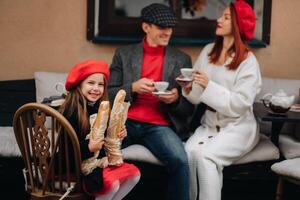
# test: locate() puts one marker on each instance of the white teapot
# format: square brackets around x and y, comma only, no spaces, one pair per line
[279,102]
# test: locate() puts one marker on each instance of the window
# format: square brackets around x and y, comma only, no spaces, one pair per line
[118,21]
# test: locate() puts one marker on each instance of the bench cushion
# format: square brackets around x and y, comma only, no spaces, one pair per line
[265,150]
[289,168]
[289,146]
[8,143]
[140,153]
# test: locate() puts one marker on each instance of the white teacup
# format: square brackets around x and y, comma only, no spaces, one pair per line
[161,86]
[187,72]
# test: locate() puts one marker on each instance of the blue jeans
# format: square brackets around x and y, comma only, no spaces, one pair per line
[164,143]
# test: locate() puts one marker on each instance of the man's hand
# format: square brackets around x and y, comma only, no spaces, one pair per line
[143,86]
[169,98]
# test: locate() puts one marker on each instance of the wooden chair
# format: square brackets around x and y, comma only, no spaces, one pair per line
[51,153]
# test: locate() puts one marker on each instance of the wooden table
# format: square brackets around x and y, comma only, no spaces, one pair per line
[277,121]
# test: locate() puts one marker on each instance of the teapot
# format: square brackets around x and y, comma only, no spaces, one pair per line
[279,102]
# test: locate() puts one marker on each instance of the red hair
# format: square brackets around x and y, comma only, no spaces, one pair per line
[239,47]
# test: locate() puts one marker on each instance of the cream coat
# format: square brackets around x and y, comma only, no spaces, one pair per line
[231,131]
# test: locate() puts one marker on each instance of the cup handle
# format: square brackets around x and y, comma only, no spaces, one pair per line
[266,99]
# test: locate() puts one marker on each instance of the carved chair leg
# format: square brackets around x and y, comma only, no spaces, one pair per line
[279,189]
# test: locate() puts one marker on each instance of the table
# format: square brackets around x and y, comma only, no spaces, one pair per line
[277,121]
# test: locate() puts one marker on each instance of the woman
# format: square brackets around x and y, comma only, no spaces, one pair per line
[87,87]
[226,79]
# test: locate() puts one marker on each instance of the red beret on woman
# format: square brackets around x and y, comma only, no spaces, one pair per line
[246,19]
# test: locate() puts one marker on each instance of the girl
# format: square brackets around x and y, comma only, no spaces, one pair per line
[87,87]
[226,79]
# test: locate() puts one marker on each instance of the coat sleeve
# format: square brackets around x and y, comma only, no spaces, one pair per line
[237,100]
[116,81]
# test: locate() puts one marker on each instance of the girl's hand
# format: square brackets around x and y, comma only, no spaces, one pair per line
[123,133]
[95,144]
[200,78]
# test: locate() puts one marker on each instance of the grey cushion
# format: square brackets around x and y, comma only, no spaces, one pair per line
[289,146]
[8,144]
[289,168]
[265,150]
[139,153]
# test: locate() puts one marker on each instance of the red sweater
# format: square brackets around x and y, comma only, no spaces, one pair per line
[147,107]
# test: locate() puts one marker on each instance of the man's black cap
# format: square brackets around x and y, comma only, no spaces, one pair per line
[159,14]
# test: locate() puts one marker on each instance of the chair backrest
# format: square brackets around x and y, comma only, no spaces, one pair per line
[51,155]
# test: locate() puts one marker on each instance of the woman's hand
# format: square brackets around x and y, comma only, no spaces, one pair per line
[95,144]
[123,133]
[200,78]
[185,85]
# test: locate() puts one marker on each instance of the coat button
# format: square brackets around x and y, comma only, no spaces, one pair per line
[201,142]
[218,128]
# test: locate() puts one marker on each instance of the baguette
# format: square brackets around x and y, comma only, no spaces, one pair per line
[117,120]
[101,120]
[97,131]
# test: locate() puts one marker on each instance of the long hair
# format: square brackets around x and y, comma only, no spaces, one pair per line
[239,48]
[76,103]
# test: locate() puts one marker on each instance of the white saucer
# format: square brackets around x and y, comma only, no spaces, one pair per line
[184,79]
[167,92]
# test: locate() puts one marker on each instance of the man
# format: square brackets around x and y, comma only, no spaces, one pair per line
[153,119]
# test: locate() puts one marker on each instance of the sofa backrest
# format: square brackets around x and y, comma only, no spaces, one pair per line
[272,85]
[14,93]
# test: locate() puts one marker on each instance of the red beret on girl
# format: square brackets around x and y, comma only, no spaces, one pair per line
[82,70]
[246,19]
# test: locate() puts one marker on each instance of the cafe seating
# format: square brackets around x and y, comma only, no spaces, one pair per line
[153,181]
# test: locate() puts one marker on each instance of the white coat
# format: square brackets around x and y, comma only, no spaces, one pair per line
[227,134]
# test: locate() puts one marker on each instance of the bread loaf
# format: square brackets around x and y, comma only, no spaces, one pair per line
[101,120]
[97,131]
[117,120]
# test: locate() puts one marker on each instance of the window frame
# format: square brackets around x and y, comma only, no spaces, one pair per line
[105,27]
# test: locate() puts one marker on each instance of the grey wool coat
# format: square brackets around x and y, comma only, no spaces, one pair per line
[126,69]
